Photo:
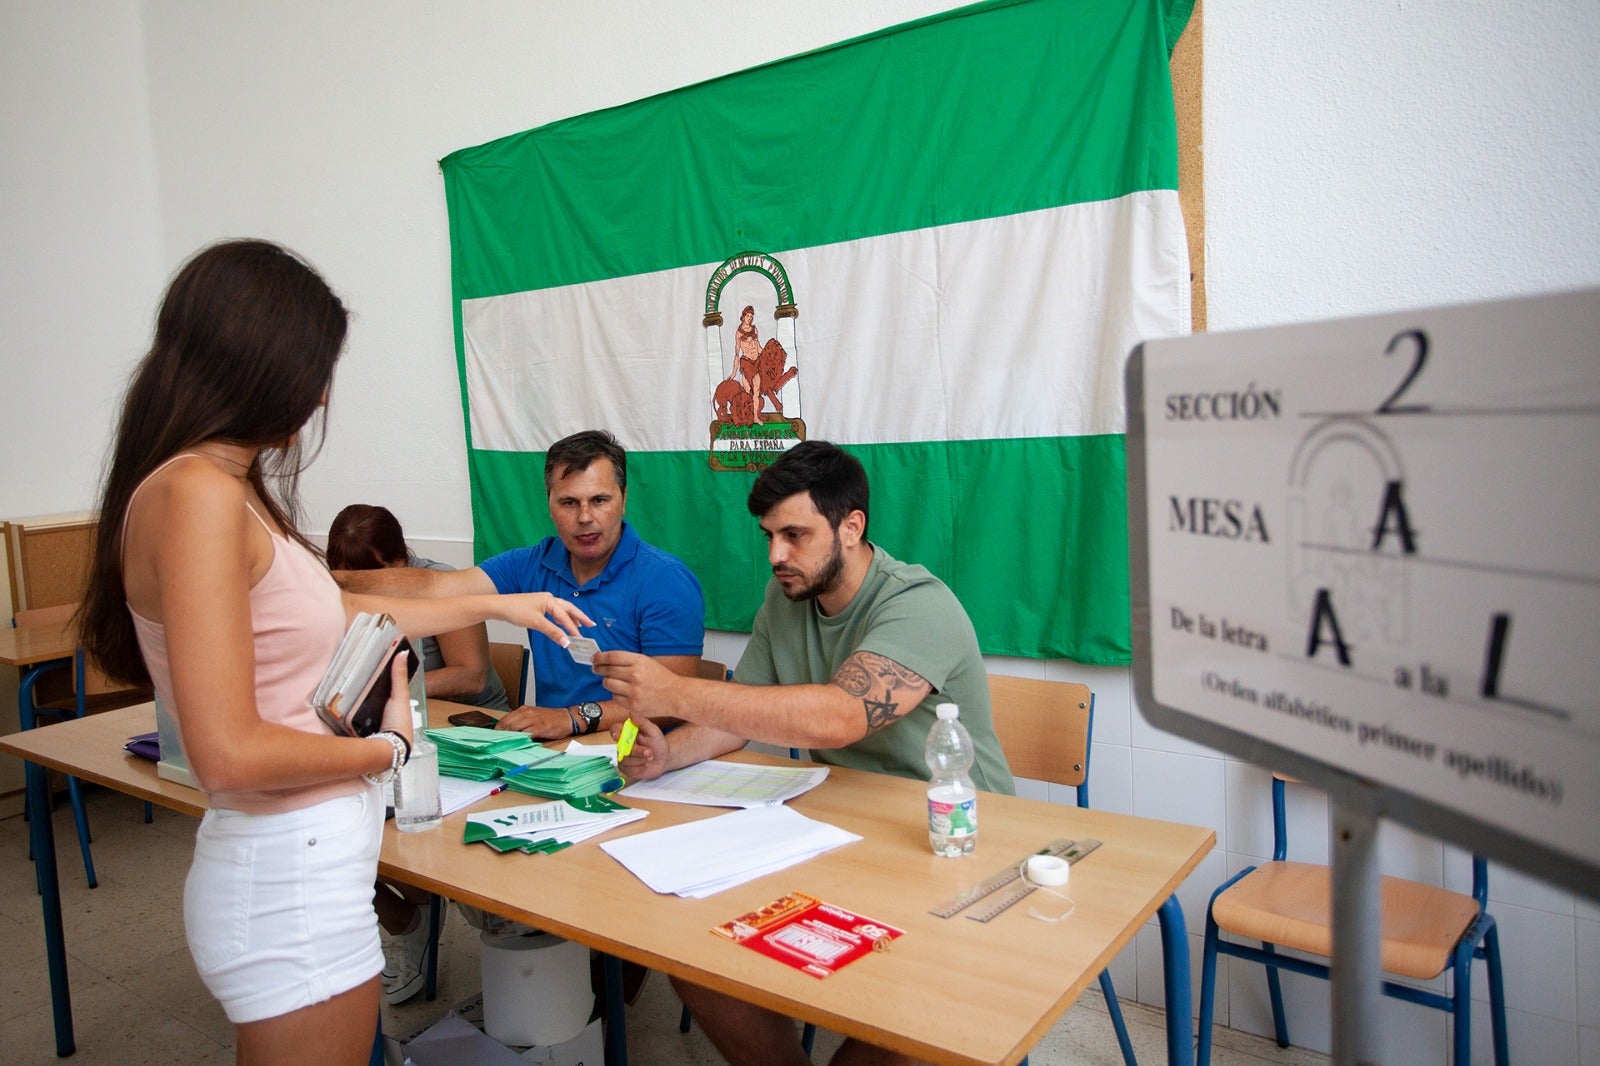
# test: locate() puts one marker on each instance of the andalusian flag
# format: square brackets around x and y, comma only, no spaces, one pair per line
[934,245]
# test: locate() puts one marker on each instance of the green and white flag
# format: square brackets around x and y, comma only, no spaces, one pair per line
[934,245]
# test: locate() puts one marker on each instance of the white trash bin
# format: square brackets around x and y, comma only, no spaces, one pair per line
[535,989]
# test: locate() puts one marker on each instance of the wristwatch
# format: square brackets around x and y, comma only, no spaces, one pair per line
[589,712]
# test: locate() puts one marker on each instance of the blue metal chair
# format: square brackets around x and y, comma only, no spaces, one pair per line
[1045,729]
[68,689]
[1426,931]
[30,705]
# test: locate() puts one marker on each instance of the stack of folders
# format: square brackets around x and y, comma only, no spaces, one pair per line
[351,695]
[547,827]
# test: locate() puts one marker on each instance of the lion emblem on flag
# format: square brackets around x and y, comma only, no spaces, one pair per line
[754,387]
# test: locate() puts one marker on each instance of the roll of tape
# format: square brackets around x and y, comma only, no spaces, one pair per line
[1047,870]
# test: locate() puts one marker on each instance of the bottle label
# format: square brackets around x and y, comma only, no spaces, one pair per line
[952,819]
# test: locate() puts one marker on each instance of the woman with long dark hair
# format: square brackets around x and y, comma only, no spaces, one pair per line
[203,586]
[366,536]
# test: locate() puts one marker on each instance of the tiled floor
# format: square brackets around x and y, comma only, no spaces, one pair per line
[136,998]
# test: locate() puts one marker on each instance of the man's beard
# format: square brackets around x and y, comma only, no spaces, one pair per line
[826,579]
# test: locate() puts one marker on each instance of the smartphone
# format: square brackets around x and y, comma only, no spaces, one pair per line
[477,718]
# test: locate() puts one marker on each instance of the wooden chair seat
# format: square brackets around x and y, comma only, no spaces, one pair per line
[93,703]
[56,691]
[1289,904]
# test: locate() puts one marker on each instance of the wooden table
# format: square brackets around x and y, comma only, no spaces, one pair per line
[950,990]
[32,645]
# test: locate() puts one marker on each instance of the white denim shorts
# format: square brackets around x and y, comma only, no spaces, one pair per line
[278,907]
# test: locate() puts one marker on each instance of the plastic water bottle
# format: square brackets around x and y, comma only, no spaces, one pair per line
[416,786]
[952,801]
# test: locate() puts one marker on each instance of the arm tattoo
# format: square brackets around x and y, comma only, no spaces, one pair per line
[887,689]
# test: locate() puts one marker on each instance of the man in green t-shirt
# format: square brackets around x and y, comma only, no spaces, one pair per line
[850,653]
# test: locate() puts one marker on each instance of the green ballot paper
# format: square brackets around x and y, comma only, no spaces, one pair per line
[566,777]
[477,754]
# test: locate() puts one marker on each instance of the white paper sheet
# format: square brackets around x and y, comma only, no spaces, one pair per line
[700,858]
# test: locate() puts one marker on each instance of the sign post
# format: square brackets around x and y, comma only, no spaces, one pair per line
[1367,553]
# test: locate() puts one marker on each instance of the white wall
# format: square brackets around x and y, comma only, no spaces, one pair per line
[80,259]
[1359,157]
[320,124]
[1371,157]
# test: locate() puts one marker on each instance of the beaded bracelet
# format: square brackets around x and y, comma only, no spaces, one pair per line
[402,755]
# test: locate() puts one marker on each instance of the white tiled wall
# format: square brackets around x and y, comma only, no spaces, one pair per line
[1550,941]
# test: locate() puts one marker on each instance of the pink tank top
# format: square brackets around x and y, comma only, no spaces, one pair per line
[297,618]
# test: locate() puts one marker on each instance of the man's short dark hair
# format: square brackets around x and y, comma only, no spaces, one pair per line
[835,479]
[569,455]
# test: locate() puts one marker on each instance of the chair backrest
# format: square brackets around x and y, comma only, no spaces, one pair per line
[97,687]
[50,561]
[1044,728]
[1280,838]
[711,670]
[510,661]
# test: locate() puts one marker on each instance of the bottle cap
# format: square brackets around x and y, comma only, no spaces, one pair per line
[1047,870]
[947,712]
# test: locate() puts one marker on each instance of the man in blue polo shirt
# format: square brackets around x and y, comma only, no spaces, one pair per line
[641,598]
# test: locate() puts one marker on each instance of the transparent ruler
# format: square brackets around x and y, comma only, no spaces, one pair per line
[999,891]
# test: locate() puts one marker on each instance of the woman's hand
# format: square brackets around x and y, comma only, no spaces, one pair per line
[529,610]
[397,711]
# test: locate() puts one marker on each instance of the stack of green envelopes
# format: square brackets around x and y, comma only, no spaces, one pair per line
[481,754]
[566,776]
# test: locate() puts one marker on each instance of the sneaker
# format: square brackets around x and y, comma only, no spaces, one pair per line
[405,958]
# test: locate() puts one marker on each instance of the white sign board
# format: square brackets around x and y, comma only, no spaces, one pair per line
[1368,552]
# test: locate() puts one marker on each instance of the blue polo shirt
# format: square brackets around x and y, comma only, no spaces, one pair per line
[645,600]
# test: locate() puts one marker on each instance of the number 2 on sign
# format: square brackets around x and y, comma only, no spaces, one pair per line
[1420,340]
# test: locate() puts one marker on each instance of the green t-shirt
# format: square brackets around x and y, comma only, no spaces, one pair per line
[901,612]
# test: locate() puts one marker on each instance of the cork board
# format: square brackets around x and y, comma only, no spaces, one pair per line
[1187,98]
[52,563]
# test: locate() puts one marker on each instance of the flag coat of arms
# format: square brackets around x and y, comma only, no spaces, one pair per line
[934,245]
